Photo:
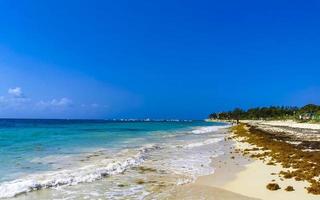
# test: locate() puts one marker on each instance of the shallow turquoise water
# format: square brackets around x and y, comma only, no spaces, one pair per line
[24,142]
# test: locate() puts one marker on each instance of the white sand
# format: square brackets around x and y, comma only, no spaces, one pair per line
[284,123]
[253,180]
[300,131]
[250,178]
[245,177]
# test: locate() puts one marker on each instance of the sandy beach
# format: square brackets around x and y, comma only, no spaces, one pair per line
[239,176]
[253,160]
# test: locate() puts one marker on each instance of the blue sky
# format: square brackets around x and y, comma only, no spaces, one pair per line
[166,59]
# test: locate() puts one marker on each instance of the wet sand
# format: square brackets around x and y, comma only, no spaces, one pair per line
[239,176]
[210,187]
[197,191]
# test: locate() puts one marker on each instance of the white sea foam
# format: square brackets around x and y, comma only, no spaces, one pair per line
[85,174]
[198,130]
[51,159]
[137,192]
[206,142]
[192,160]
[208,129]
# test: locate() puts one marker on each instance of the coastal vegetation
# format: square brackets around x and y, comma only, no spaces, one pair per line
[310,112]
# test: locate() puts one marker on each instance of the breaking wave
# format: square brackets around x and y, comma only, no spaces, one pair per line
[208,129]
[83,174]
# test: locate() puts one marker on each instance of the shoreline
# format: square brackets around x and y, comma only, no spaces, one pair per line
[211,187]
[247,177]
[242,172]
[148,170]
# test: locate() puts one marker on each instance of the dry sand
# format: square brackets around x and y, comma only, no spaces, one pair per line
[252,177]
[240,177]
[284,123]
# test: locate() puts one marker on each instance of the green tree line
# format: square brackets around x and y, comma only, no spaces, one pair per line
[310,111]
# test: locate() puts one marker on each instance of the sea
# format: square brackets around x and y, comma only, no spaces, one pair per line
[104,159]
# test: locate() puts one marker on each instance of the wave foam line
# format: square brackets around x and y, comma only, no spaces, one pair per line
[85,174]
[208,129]
[206,142]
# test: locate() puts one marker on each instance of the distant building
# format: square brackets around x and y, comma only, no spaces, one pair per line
[306,116]
[309,116]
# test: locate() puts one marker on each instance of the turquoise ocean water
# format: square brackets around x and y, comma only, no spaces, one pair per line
[58,157]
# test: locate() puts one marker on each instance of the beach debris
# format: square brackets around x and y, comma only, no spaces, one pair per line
[143,169]
[287,175]
[304,165]
[140,181]
[289,189]
[273,186]
[271,163]
[121,185]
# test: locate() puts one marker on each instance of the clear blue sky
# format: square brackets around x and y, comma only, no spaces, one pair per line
[165,59]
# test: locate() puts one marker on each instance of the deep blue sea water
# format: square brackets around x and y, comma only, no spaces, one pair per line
[33,147]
